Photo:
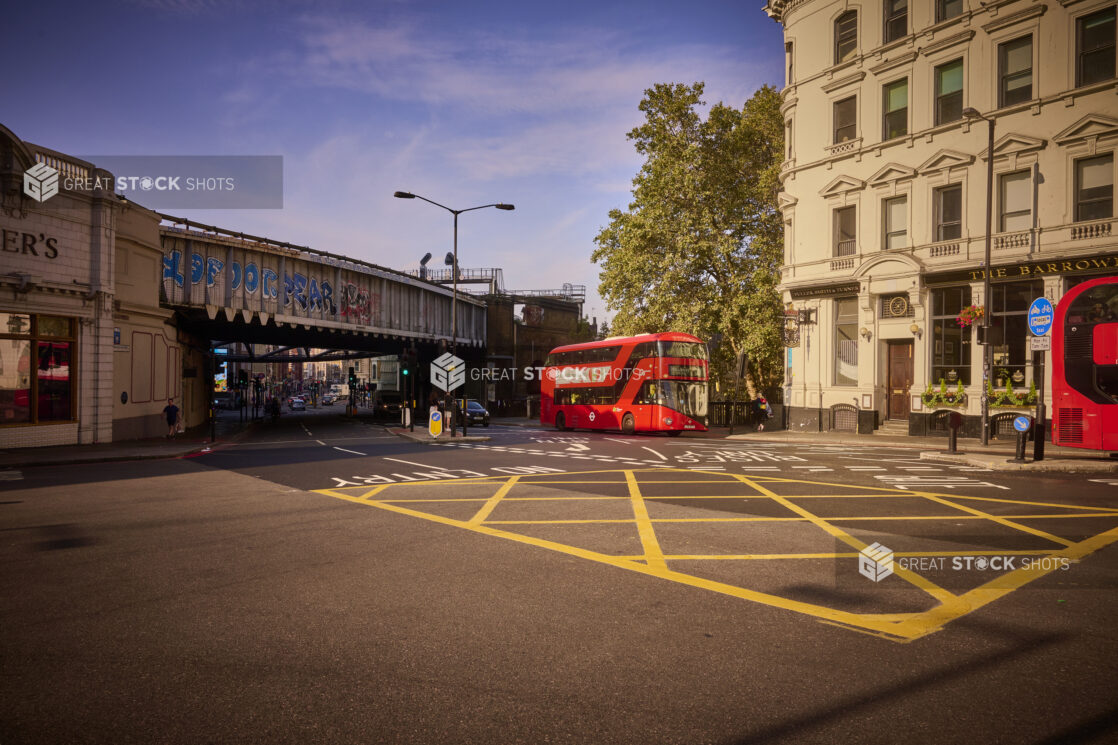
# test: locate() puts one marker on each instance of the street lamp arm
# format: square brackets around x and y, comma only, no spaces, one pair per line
[498,205]
[409,195]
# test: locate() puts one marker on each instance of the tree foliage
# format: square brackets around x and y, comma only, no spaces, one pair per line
[700,247]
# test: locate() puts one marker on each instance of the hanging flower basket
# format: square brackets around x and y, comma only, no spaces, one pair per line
[970,314]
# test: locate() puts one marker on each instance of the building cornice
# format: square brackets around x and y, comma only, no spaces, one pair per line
[904,59]
[963,37]
[999,23]
[835,85]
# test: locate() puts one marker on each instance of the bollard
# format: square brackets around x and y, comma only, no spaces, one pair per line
[954,422]
[1020,456]
[1022,424]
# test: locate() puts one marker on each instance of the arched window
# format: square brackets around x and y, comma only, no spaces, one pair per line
[846,36]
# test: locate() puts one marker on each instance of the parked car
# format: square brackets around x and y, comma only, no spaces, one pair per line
[476,413]
[298,404]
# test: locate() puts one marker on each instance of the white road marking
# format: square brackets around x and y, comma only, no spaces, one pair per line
[320,442]
[11,475]
[413,463]
[577,448]
[347,451]
[943,482]
[653,452]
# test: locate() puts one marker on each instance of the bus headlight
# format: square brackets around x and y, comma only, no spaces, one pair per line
[668,421]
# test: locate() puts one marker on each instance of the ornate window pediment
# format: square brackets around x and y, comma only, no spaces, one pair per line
[1015,144]
[944,160]
[891,173]
[1091,126]
[842,185]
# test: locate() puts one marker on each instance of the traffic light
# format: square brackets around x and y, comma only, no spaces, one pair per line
[242,378]
[352,378]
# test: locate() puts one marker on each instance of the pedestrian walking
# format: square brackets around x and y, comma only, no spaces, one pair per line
[171,412]
[764,412]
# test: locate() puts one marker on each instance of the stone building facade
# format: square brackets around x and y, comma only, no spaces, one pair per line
[884,193]
[86,353]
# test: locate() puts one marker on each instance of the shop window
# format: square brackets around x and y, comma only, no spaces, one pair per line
[37,382]
[1013,360]
[951,344]
[846,341]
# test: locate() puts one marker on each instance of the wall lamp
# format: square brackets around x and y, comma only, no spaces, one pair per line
[865,332]
[916,331]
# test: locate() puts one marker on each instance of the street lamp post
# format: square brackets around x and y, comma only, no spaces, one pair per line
[987,300]
[454,270]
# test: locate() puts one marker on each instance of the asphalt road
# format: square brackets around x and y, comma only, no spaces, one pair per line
[326,581]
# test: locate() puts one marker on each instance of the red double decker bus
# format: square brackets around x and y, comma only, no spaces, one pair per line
[647,383]
[1085,366]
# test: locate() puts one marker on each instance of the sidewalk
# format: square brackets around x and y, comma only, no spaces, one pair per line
[971,452]
[195,440]
[996,455]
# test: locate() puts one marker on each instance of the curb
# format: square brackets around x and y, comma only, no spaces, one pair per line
[998,462]
[78,460]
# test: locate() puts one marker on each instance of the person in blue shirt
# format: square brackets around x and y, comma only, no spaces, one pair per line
[172,413]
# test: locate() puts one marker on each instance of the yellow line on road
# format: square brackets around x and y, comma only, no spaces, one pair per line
[493,501]
[869,622]
[850,555]
[911,577]
[1111,510]
[652,553]
[934,619]
[834,518]
[1004,521]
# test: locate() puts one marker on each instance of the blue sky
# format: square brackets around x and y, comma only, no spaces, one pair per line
[464,103]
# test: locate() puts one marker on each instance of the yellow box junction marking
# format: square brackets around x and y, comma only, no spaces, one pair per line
[903,627]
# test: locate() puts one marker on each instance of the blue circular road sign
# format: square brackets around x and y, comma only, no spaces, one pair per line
[1022,423]
[1040,316]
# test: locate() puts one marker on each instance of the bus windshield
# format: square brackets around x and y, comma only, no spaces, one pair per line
[682,349]
[1096,305]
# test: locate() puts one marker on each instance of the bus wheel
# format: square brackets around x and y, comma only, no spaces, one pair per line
[628,424]
[560,422]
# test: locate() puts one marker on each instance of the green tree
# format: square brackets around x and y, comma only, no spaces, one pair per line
[699,248]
